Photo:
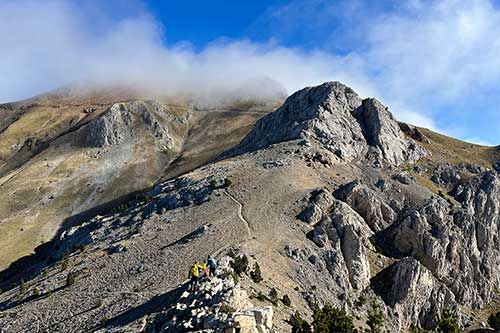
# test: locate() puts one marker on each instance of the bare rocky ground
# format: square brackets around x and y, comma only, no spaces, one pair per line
[64,159]
[337,202]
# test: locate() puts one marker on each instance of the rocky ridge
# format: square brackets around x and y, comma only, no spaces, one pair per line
[350,214]
[218,305]
[339,120]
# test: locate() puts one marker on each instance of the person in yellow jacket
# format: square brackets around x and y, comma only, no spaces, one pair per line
[194,276]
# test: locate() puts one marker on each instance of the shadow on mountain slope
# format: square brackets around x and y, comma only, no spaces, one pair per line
[28,267]
[155,304]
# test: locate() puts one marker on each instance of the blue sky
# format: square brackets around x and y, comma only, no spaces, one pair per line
[434,63]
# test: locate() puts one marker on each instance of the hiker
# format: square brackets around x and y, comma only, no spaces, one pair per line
[211,266]
[194,275]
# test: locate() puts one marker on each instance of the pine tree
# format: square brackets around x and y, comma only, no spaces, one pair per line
[448,323]
[256,274]
[330,319]
[299,325]
[375,319]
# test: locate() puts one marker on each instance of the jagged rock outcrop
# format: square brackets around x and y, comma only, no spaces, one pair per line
[413,293]
[333,115]
[376,212]
[459,245]
[181,192]
[122,121]
[343,237]
[319,202]
[217,305]
[382,131]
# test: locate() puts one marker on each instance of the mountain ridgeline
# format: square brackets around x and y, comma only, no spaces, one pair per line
[326,201]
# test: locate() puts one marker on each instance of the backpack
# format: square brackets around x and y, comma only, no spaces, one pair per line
[212,263]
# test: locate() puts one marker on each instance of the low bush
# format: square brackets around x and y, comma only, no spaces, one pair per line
[256,274]
[375,319]
[494,321]
[70,279]
[286,300]
[448,322]
[298,324]
[273,296]
[23,288]
[239,263]
[224,308]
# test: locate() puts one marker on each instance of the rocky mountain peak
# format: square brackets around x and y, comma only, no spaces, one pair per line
[334,116]
[122,121]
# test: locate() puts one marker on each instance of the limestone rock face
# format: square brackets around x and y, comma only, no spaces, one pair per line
[353,234]
[413,292]
[382,131]
[319,202]
[124,121]
[376,212]
[335,117]
[343,236]
[458,244]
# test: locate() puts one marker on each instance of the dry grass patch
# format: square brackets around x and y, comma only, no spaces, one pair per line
[455,151]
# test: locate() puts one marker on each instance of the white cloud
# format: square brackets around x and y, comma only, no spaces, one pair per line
[55,43]
[421,58]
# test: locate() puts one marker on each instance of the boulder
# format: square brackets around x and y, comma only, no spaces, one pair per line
[413,293]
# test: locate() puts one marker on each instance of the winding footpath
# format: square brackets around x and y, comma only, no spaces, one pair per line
[241,217]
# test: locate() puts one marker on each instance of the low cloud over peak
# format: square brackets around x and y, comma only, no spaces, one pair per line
[58,43]
[433,63]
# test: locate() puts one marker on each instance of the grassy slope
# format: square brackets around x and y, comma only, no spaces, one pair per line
[453,151]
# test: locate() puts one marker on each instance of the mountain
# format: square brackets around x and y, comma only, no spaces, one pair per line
[335,200]
[65,157]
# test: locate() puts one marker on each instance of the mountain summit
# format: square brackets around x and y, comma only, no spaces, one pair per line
[335,117]
[326,201]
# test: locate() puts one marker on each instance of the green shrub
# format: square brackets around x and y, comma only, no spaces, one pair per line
[100,302]
[23,288]
[375,319]
[494,321]
[286,300]
[239,264]
[224,308]
[78,247]
[329,319]
[256,274]
[65,263]
[70,279]
[273,296]
[448,322]
[298,324]
[36,292]
[361,301]
[234,276]
[261,297]
[227,183]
